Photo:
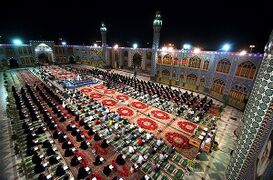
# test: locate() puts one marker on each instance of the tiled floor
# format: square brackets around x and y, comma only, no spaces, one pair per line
[6,154]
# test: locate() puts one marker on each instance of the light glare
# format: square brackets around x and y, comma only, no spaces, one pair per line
[226,47]
[17,42]
[242,53]
[196,50]
[186,46]
[135,45]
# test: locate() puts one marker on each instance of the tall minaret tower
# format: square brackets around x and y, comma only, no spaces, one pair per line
[103,31]
[258,121]
[157,27]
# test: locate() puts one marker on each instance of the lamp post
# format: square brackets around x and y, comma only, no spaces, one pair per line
[251,47]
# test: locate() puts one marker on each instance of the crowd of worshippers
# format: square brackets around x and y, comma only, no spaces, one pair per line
[41,151]
[92,114]
[171,100]
[111,124]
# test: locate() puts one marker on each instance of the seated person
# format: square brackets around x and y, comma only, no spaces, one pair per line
[83,172]
[107,170]
[104,144]
[140,142]
[148,136]
[98,160]
[141,159]
[120,160]
[159,142]
[131,149]
[97,137]
[171,150]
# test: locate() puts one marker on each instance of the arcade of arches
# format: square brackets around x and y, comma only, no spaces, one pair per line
[238,93]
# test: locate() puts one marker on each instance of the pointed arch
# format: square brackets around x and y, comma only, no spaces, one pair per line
[218,86]
[191,79]
[137,58]
[195,62]
[167,59]
[238,92]
[206,65]
[223,66]
[246,70]
[202,82]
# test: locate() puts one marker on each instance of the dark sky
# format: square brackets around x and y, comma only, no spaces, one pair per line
[207,24]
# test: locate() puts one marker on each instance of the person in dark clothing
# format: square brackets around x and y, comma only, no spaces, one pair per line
[107,170]
[120,160]
[97,161]
[104,144]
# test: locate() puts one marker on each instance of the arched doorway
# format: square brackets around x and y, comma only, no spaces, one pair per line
[13,63]
[72,60]
[137,60]
[43,58]
[44,54]
[217,88]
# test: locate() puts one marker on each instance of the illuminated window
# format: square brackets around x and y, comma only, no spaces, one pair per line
[206,65]
[218,86]
[202,82]
[159,59]
[191,79]
[246,69]
[223,66]
[195,62]
[167,59]
[175,61]
[238,92]
[184,61]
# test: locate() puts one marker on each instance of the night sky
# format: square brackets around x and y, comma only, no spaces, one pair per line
[206,24]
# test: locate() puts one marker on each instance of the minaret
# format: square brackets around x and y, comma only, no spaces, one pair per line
[103,31]
[157,27]
[258,121]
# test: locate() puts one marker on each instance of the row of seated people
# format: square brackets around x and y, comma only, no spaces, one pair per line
[115,126]
[75,132]
[46,161]
[165,98]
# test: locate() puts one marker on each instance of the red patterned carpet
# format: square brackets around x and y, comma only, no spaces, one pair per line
[139,105]
[122,97]
[95,95]
[187,126]
[125,111]
[174,130]
[108,102]
[147,123]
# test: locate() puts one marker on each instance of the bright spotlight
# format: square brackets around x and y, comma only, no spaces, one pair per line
[95,45]
[242,53]
[164,48]
[63,43]
[116,46]
[17,42]
[226,47]
[187,46]
[196,50]
[135,45]
[170,48]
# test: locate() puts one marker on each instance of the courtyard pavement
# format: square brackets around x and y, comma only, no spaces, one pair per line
[7,165]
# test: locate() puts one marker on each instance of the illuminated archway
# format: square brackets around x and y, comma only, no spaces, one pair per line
[42,51]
